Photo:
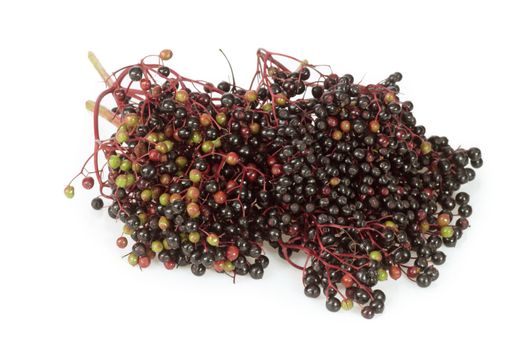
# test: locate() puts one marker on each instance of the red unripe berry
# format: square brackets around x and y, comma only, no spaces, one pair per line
[232,253]
[154,155]
[230,185]
[232,158]
[219,197]
[169,265]
[277,169]
[383,140]
[219,265]
[395,272]
[144,261]
[122,242]
[374,126]
[271,160]
[245,132]
[347,280]
[145,84]
[443,219]
[88,182]
[413,271]
[293,230]
[332,121]
[251,175]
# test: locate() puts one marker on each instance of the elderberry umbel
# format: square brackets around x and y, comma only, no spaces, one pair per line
[310,163]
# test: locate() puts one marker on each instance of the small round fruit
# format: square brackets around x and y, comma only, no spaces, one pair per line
[69,191]
[144,261]
[157,246]
[114,161]
[232,253]
[122,242]
[166,54]
[347,304]
[193,210]
[194,237]
[133,259]
[195,176]
[88,182]
[97,203]
[368,312]
[426,147]
[333,304]
[376,255]
[232,158]
[446,231]
[213,240]
[256,271]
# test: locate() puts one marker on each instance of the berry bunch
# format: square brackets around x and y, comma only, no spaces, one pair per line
[308,162]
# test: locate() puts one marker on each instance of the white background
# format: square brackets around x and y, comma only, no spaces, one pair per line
[63,284]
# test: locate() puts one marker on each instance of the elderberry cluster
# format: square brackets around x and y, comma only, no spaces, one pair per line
[313,165]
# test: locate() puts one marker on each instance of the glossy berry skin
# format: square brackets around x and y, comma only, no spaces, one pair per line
[88,182]
[423,280]
[122,242]
[97,203]
[368,312]
[312,291]
[256,271]
[333,304]
[232,253]
[135,74]
[144,261]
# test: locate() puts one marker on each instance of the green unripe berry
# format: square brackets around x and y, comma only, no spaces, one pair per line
[169,144]
[347,304]
[267,107]
[69,191]
[213,240]
[121,181]
[161,147]
[181,162]
[426,147]
[122,136]
[376,255]
[391,224]
[146,195]
[228,266]
[153,137]
[164,199]
[207,146]
[222,119]
[131,120]
[133,259]
[196,137]
[181,96]
[114,162]
[125,165]
[194,237]
[195,176]
[382,275]
[130,180]
[446,231]
[157,246]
